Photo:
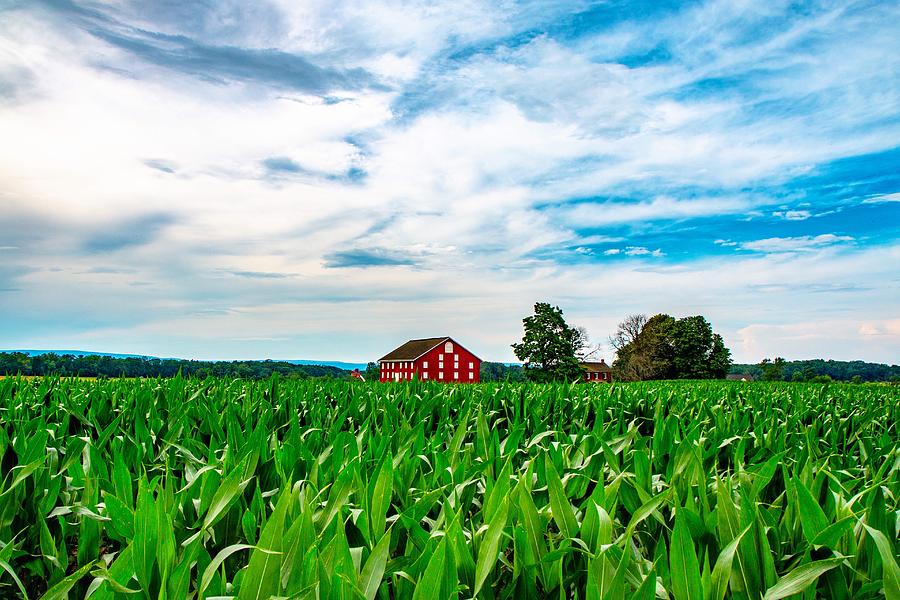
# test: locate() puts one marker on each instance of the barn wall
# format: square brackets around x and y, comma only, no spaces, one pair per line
[434,370]
[456,367]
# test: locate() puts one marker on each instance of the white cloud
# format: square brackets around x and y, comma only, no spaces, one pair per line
[595,214]
[642,251]
[804,243]
[881,199]
[793,215]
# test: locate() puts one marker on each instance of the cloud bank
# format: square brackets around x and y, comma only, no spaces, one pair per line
[285,180]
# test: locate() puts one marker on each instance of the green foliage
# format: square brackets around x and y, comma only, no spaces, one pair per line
[188,488]
[493,371]
[773,370]
[669,348]
[550,346]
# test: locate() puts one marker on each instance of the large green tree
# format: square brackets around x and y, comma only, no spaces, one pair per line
[669,348]
[550,347]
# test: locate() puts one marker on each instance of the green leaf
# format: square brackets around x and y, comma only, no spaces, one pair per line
[490,546]
[232,486]
[337,497]
[890,570]
[381,497]
[263,576]
[812,517]
[432,585]
[647,509]
[831,535]
[563,515]
[800,578]
[214,565]
[6,567]
[117,575]
[722,570]
[747,577]
[60,591]
[683,565]
[647,590]
[534,530]
[145,538]
[373,571]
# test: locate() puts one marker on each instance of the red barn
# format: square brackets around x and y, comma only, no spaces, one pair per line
[597,372]
[431,359]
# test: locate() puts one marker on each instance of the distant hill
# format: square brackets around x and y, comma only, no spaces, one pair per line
[839,370]
[346,366]
[77,353]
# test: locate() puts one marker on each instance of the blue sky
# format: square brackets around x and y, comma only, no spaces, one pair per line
[328,179]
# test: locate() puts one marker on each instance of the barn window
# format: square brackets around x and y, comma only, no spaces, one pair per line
[448,347]
[455,374]
[471,365]
[441,375]
[425,365]
[424,375]
[471,375]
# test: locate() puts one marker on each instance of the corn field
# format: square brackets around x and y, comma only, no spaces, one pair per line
[180,488]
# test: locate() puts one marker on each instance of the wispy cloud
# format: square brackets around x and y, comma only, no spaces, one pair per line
[805,243]
[885,198]
[135,231]
[793,215]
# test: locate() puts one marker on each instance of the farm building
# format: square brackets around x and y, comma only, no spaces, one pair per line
[431,359]
[739,377]
[597,372]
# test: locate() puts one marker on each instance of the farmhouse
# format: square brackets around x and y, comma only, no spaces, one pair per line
[597,372]
[739,377]
[431,359]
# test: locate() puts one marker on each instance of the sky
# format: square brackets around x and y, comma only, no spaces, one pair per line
[224,179]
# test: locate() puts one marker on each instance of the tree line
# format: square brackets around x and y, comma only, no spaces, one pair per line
[855,371]
[76,365]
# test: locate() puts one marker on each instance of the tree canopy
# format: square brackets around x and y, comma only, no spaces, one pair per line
[550,347]
[663,347]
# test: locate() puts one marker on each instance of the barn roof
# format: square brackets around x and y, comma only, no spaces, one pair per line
[413,349]
[596,367]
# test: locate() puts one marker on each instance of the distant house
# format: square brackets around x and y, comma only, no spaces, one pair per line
[597,372]
[431,359]
[739,377]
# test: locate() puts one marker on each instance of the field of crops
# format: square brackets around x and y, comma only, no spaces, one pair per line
[196,489]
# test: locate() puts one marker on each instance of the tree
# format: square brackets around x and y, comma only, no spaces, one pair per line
[773,370]
[698,353]
[668,348]
[372,373]
[627,331]
[550,346]
[650,353]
